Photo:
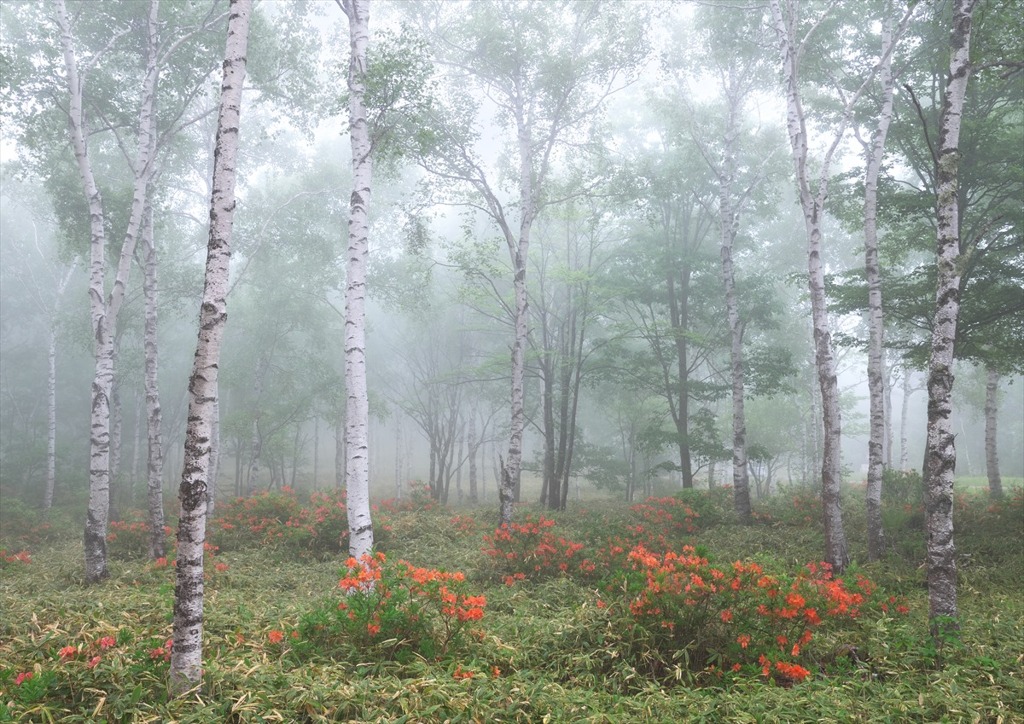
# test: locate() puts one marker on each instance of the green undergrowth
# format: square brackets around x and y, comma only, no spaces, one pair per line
[550,645]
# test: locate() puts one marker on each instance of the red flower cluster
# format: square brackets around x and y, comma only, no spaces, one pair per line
[19,557]
[739,612]
[405,602]
[532,550]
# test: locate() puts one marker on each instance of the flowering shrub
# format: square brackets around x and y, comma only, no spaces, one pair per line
[280,519]
[737,616]
[129,539]
[532,550]
[258,519]
[666,516]
[419,498]
[9,559]
[393,610]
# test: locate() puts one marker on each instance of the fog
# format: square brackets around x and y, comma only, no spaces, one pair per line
[627,362]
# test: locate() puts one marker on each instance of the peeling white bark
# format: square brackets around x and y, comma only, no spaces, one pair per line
[940,454]
[104,309]
[154,421]
[357,470]
[187,653]
[876,327]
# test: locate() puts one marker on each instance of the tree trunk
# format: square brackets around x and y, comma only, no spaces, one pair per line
[836,551]
[729,219]
[51,395]
[876,328]
[940,456]
[995,482]
[215,448]
[357,471]
[140,405]
[104,308]
[904,415]
[472,445]
[155,464]
[187,653]
[339,451]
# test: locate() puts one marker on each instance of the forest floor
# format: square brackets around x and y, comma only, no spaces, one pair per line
[637,627]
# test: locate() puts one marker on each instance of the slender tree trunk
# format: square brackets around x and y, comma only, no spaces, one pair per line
[215,448]
[995,482]
[140,406]
[511,468]
[940,457]
[876,328]
[398,459]
[316,453]
[357,471]
[154,422]
[729,219]
[105,308]
[51,395]
[836,550]
[904,416]
[472,444]
[339,451]
[187,653]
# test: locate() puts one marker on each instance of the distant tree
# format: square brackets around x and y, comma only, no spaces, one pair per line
[548,68]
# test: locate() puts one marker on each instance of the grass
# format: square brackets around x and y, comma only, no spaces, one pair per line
[544,651]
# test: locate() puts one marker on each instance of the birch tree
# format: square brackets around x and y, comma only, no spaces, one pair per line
[547,69]
[995,482]
[940,453]
[105,307]
[154,436]
[357,412]
[875,153]
[187,652]
[794,36]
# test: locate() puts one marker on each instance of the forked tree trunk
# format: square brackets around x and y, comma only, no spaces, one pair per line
[357,466]
[836,551]
[793,40]
[104,308]
[154,422]
[187,653]
[995,482]
[876,328]
[940,454]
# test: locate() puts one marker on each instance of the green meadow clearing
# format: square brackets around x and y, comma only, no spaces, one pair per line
[603,640]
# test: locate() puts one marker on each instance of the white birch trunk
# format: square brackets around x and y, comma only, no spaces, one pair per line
[511,468]
[836,551]
[904,416]
[51,395]
[154,422]
[729,219]
[187,653]
[940,455]
[116,424]
[995,481]
[211,488]
[876,327]
[104,309]
[357,470]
